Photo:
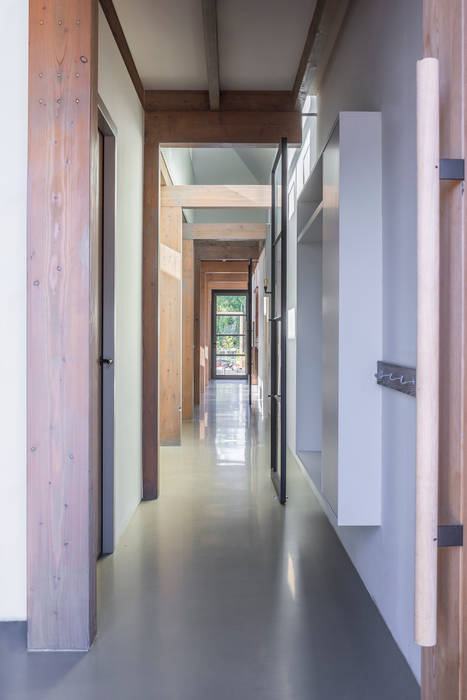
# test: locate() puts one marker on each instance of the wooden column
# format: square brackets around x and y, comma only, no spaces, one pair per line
[187,330]
[150,324]
[196,339]
[61,324]
[170,309]
[444,667]
[202,332]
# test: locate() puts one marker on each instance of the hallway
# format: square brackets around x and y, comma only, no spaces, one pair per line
[216,591]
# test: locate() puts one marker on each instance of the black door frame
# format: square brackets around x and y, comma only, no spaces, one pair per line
[278,400]
[231,293]
[108,130]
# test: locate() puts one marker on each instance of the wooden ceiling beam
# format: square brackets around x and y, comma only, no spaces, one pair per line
[212,52]
[217,196]
[322,34]
[221,267]
[122,44]
[230,101]
[206,128]
[225,232]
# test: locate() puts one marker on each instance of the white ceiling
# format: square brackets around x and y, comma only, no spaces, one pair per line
[260,42]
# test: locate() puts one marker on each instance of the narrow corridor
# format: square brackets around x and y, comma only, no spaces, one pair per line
[216,592]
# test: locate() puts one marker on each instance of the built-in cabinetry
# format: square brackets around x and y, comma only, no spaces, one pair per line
[339,320]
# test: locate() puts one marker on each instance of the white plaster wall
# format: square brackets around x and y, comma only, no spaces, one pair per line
[180,167]
[214,166]
[373,68]
[13,183]
[119,96]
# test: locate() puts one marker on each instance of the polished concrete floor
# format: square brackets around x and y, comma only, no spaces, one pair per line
[216,592]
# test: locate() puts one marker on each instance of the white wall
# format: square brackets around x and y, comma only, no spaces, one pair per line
[13,147]
[121,101]
[373,68]
[214,166]
[180,167]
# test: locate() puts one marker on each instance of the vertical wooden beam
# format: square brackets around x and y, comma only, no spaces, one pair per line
[150,317]
[170,310]
[212,51]
[62,329]
[202,331]
[444,671]
[187,329]
[196,339]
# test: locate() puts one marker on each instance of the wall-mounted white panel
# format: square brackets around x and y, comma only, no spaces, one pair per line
[352,313]
[360,317]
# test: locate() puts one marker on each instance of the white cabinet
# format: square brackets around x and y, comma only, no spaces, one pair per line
[339,320]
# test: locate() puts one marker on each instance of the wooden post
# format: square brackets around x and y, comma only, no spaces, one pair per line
[188,329]
[61,324]
[196,338]
[426,550]
[444,667]
[170,310]
[150,317]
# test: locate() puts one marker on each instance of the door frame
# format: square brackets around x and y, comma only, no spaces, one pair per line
[109,131]
[230,293]
[279,476]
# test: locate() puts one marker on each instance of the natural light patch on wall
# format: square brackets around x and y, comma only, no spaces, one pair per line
[170,261]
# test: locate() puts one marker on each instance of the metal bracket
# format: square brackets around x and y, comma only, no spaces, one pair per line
[450,535]
[451,169]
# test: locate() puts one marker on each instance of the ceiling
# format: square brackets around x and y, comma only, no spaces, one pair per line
[260,42]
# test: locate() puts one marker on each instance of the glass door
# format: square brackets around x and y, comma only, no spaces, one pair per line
[279,320]
[229,335]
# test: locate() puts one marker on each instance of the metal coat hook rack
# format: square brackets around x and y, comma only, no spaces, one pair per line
[397,377]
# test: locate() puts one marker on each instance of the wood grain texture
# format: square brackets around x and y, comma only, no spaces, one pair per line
[217,196]
[122,44]
[151,320]
[221,267]
[217,250]
[196,330]
[230,100]
[225,232]
[426,486]
[62,325]
[444,666]
[170,310]
[225,128]
[187,329]
[212,51]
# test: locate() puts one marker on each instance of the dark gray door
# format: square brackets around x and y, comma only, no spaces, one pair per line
[279,321]
[106,500]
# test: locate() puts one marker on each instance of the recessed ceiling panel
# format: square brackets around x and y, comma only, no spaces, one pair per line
[166,40]
[261,42]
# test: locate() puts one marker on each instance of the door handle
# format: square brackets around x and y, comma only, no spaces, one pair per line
[106,361]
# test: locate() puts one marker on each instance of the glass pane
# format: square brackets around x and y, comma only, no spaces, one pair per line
[278,337]
[277,285]
[230,324]
[278,442]
[231,302]
[230,344]
[278,192]
[230,365]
